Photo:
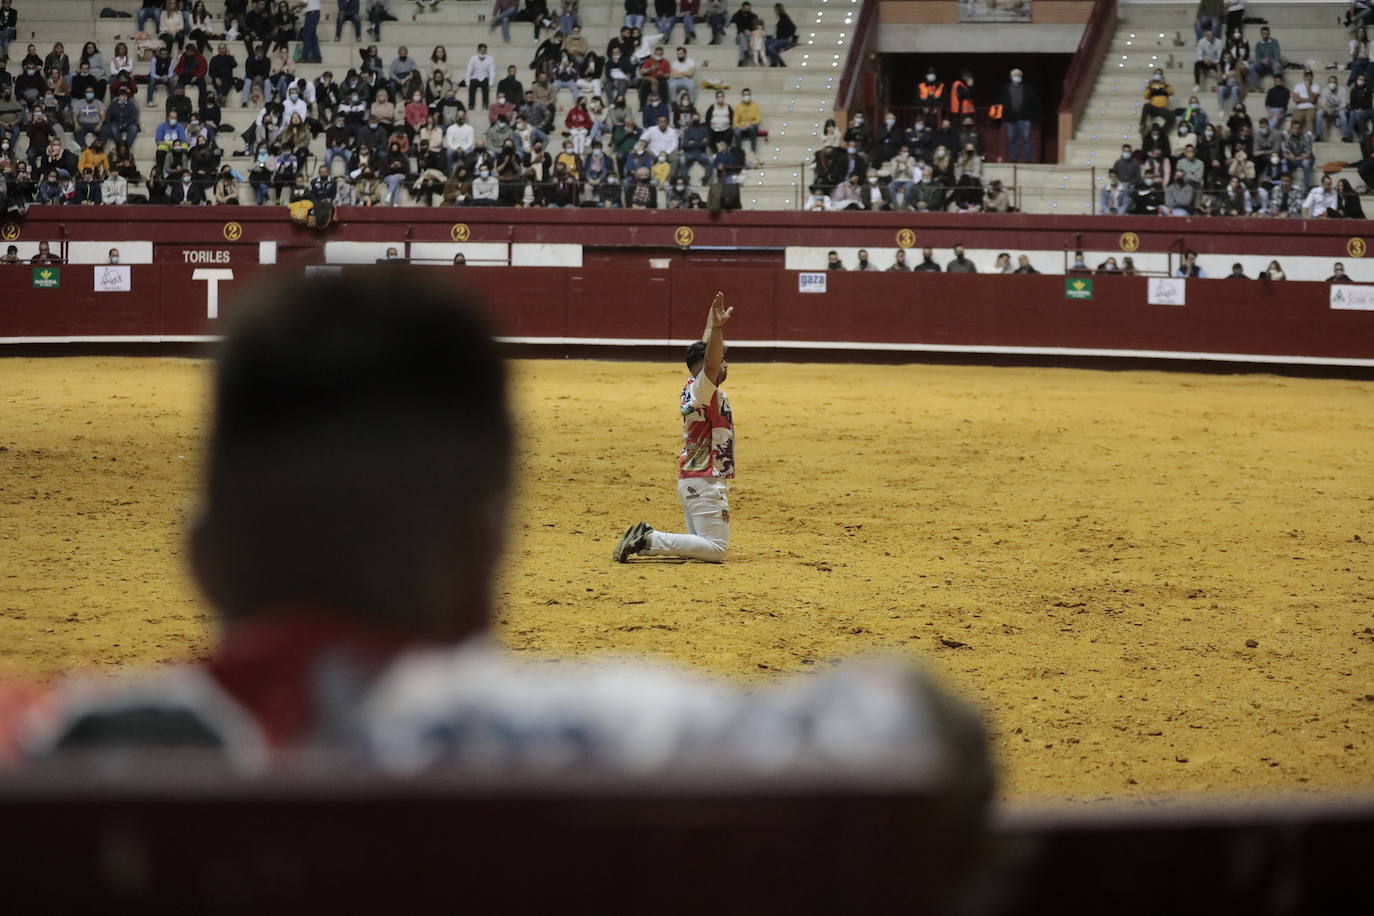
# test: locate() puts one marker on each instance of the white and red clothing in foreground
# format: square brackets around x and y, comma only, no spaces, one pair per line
[706,462]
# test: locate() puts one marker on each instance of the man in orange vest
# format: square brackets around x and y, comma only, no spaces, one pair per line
[961,95]
[931,95]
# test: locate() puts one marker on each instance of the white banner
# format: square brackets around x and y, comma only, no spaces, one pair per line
[1359,298]
[113,278]
[1167,291]
[811,283]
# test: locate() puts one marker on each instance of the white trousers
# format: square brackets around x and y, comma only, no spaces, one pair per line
[706,506]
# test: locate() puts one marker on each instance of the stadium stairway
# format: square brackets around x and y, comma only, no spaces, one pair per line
[1161,34]
[795,100]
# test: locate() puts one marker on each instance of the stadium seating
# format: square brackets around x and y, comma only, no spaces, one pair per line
[794,100]
[1161,35]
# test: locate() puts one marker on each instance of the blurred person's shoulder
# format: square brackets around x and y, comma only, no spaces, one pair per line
[477,707]
[181,707]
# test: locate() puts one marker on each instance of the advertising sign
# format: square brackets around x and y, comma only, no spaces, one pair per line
[1167,291]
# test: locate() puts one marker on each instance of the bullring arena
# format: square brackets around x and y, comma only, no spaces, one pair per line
[1153,582]
[1051,374]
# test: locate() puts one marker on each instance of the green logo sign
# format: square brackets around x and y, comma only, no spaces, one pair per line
[1078,288]
[47,277]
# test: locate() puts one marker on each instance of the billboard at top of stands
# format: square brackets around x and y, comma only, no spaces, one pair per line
[994,10]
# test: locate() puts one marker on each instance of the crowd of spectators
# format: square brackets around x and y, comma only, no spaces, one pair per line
[1197,159]
[934,163]
[632,133]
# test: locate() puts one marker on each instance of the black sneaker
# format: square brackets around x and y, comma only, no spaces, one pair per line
[635,539]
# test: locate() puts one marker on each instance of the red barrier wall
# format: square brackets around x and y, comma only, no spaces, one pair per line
[1251,320]
[202,227]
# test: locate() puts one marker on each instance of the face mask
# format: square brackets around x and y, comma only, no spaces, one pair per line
[873,179]
[294,96]
[851,149]
[930,77]
[1125,154]
[262,157]
[1016,80]
[1159,77]
[1273,160]
[890,121]
[484,173]
[114,260]
[746,97]
[172,121]
[1208,134]
[89,96]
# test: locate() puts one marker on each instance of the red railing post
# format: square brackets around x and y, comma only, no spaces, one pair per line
[865,29]
[1087,61]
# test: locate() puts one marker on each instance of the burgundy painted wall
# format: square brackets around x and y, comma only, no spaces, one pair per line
[639,304]
[752,229]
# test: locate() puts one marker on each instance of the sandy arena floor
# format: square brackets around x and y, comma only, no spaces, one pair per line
[1153,583]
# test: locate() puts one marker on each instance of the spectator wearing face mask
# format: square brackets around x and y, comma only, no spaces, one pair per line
[930,96]
[890,140]
[858,135]
[1128,167]
[1018,107]
[29,86]
[873,196]
[1179,197]
[1361,106]
[89,116]
[1332,108]
[1157,94]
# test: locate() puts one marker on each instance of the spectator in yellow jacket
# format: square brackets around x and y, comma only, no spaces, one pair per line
[748,119]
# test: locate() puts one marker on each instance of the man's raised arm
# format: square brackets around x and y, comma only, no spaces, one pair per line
[715,340]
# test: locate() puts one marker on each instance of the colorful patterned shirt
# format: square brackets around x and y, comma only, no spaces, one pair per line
[708,431]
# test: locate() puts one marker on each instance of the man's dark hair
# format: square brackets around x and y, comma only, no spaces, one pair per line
[696,354]
[360,456]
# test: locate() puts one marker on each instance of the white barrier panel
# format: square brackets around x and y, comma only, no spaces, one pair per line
[1358,298]
[1214,266]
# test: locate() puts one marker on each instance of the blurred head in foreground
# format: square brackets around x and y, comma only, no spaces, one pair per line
[359,460]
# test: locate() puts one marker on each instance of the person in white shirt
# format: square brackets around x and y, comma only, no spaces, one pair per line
[1208,57]
[458,139]
[294,104]
[1320,199]
[661,138]
[1305,97]
[481,71]
[682,76]
[485,188]
[818,201]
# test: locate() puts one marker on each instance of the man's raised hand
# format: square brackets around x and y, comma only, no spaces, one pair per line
[719,313]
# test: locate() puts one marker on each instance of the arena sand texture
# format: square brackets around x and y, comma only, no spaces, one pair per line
[1153,583]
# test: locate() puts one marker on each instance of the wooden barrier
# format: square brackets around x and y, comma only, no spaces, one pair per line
[1238,321]
[143,834]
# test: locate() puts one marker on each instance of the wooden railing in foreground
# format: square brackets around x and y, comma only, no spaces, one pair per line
[120,836]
